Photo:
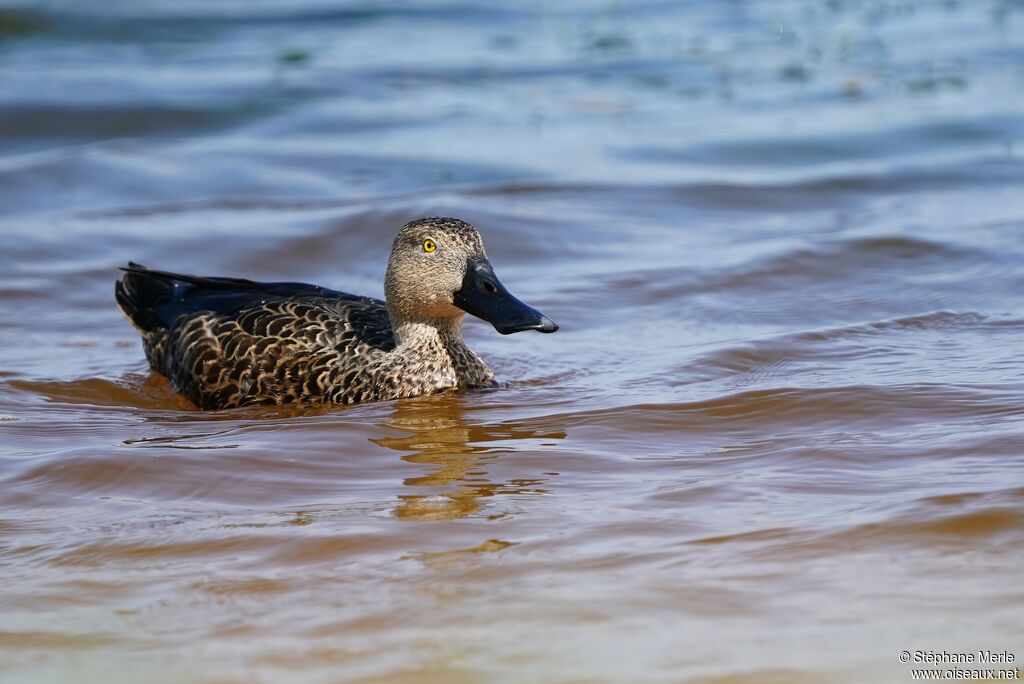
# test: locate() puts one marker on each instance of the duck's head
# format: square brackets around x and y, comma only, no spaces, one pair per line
[438,270]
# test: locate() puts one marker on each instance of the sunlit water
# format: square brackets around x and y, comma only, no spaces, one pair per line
[779,437]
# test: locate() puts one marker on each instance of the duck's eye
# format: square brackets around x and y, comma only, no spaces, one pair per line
[428,245]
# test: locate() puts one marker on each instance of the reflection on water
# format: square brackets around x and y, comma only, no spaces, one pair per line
[456,455]
[777,438]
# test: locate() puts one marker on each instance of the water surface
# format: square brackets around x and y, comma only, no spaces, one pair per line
[778,438]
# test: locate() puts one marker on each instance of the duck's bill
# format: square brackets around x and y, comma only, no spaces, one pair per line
[483,295]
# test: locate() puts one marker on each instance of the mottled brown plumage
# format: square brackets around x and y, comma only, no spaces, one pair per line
[227,342]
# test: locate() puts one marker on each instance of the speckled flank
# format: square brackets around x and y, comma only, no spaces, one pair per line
[225,343]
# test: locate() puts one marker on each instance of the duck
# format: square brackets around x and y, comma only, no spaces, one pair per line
[230,342]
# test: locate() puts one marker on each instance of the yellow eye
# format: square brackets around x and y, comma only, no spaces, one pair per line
[428,245]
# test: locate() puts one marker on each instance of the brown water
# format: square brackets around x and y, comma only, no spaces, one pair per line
[779,438]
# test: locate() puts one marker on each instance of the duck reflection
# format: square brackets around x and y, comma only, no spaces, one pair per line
[455,457]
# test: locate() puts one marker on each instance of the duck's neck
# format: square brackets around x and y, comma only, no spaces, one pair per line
[437,347]
[441,331]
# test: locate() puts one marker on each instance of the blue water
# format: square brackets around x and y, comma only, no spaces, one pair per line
[778,437]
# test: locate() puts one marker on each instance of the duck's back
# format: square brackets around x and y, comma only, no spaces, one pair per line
[227,342]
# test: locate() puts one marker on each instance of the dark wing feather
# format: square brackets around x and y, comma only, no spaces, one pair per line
[230,342]
[152,298]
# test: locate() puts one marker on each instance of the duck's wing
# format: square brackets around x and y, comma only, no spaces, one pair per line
[153,299]
[228,341]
